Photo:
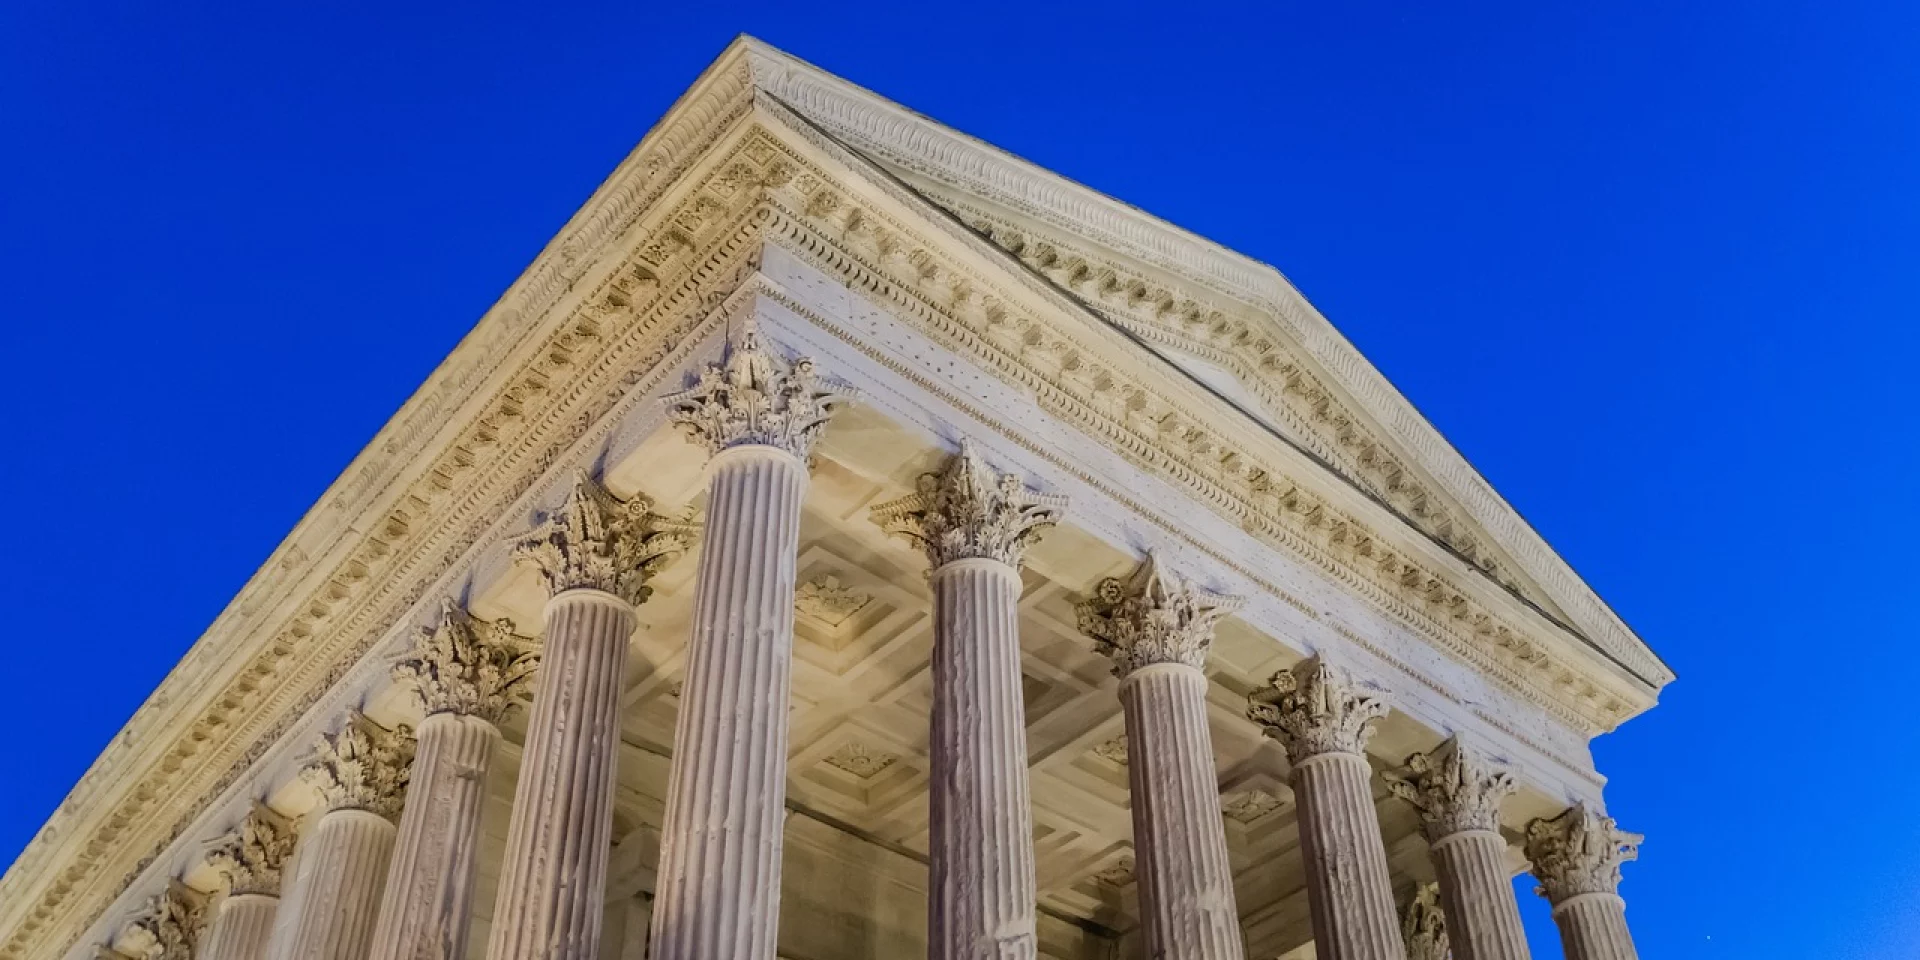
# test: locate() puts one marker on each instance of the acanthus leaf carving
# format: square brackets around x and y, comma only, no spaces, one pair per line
[1453,788]
[167,926]
[1579,851]
[1316,708]
[969,511]
[754,397]
[250,857]
[467,666]
[1423,926]
[361,766]
[596,541]
[1153,616]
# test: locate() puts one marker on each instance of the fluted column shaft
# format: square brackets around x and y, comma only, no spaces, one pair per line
[981,888]
[718,896]
[1349,891]
[554,872]
[429,894]
[331,910]
[1593,926]
[1180,843]
[1476,894]
[241,928]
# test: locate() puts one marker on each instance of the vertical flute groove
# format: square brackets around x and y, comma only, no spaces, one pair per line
[242,927]
[1476,893]
[558,839]
[336,900]
[1593,926]
[981,889]
[429,892]
[718,893]
[1180,844]
[1349,890]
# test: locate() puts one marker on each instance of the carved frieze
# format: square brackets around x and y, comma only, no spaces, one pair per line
[1153,616]
[967,511]
[251,856]
[1579,851]
[756,397]
[1316,708]
[1453,788]
[597,541]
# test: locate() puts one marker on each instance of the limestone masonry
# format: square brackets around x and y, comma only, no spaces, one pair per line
[847,540]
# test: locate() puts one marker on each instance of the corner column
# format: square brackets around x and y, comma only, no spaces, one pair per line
[1325,719]
[361,774]
[718,888]
[249,859]
[975,526]
[1458,795]
[596,553]
[1576,857]
[462,674]
[1158,627]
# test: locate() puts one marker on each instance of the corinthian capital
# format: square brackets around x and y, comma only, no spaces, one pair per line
[597,541]
[251,856]
[467,666]
[363,766]
[755,398]
[1579,852]
[1316,708]
[1423,926]
[1453,788]
[1153,616]
[167,926]
[969,511]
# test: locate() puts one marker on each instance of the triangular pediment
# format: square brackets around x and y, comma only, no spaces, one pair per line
[1231,324]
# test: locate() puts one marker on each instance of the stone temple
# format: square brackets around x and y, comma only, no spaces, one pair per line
[849,541]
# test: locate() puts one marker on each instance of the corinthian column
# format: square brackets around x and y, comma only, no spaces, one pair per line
[1458,794]
[718,893]
[1576,857]
[167,927]
[1157,627]
[461,674]
[975,526]
[1324,719]
[595,553]
[249,859]
[360,773]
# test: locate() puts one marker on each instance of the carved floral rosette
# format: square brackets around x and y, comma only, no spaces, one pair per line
[597,541]
[1153,616]
[1579,851]
[968,511]
[467,666]
[1315,709]
[363,766]
[1454,789]
[251,856]
[754,398]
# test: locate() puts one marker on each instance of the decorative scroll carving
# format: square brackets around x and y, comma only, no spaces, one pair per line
[968,511]
[1454,789]
[167,927]
[467,666]
[1153,616]
[250,857]
[597,541]
[755,398]
[1423,926]
[1578,852]
[1316,708]
[363,766]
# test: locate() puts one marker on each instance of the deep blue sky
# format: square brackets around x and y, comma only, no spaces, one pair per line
[1654,267]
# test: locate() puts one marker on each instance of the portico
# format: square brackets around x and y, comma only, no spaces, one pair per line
[923,555]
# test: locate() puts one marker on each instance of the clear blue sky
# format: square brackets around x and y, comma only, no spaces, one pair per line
[1654,267]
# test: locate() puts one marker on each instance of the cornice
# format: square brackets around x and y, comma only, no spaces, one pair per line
[918,146]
